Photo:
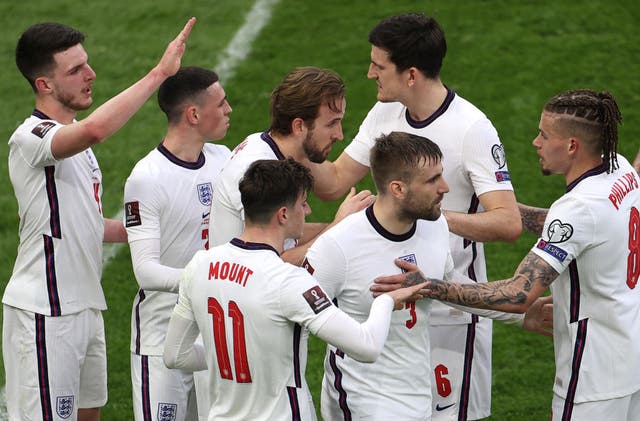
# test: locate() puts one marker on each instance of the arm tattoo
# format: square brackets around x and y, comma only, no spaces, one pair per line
[532,218]
[413,278]
[532,272]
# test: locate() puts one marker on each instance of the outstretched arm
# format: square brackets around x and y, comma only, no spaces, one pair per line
[500,220]
[333,179]
[515,294]
[532,218]
[364,341]
[113,114]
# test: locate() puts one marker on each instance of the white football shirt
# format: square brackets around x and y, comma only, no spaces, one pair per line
[169,200]
[59,263]
[250,307]
[591,236]
[345,260]
[473,163]
[227,208]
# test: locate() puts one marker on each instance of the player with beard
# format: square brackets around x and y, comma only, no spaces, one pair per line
[405,222]
[250,306]
[307,109]
[53,333]
[407,52]
[587,253]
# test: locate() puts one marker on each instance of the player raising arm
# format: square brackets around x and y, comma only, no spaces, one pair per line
[55,290]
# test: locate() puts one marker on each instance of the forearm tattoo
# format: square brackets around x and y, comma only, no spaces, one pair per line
[532,218]
[515,291]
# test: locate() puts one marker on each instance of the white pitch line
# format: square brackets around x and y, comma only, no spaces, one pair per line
[236,52]
[240,46]
[228,60]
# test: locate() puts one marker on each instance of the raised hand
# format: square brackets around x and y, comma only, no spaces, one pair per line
[169,64]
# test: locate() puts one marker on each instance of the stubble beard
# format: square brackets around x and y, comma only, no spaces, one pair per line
[313,154]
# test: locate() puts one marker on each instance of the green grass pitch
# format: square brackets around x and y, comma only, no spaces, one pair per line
[507,57]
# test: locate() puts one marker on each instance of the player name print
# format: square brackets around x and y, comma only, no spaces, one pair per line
[623,185]
[233,272]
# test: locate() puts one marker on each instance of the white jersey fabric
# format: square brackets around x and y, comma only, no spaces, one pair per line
[251,308]
[227,209]
[591,236]
[474,163]
[345,260]
[59,263]
[168,199]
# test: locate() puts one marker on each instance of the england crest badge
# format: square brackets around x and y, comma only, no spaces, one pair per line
[409,258]
[64,406]
[167,411]
[205,192]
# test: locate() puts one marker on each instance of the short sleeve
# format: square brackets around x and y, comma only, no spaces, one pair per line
[33,143]
[327,263]
[485,158]
[568,230]
[360,147]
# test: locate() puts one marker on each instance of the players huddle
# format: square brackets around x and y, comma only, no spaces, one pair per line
[232,279]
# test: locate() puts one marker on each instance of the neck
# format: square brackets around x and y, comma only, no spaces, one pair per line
[581,167]
[265,234]
[386,213]
[289,145]
[184,144]
[426,99]
[55,110]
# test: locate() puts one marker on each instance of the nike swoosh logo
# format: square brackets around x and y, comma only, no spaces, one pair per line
[442,408]
[205,214]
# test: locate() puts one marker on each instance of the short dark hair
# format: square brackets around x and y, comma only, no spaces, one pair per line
[301,94]
[186,85]
[594,117]
[412,40]
[395,156]
[38,44]
[269,184]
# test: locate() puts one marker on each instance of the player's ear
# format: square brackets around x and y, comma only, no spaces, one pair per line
[282,215]
[573,144]
[43,86]
[298,126]
[191,114]
[397,189]
[412,76]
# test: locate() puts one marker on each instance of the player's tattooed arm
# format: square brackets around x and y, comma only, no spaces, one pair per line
[532,218]
[515,294]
